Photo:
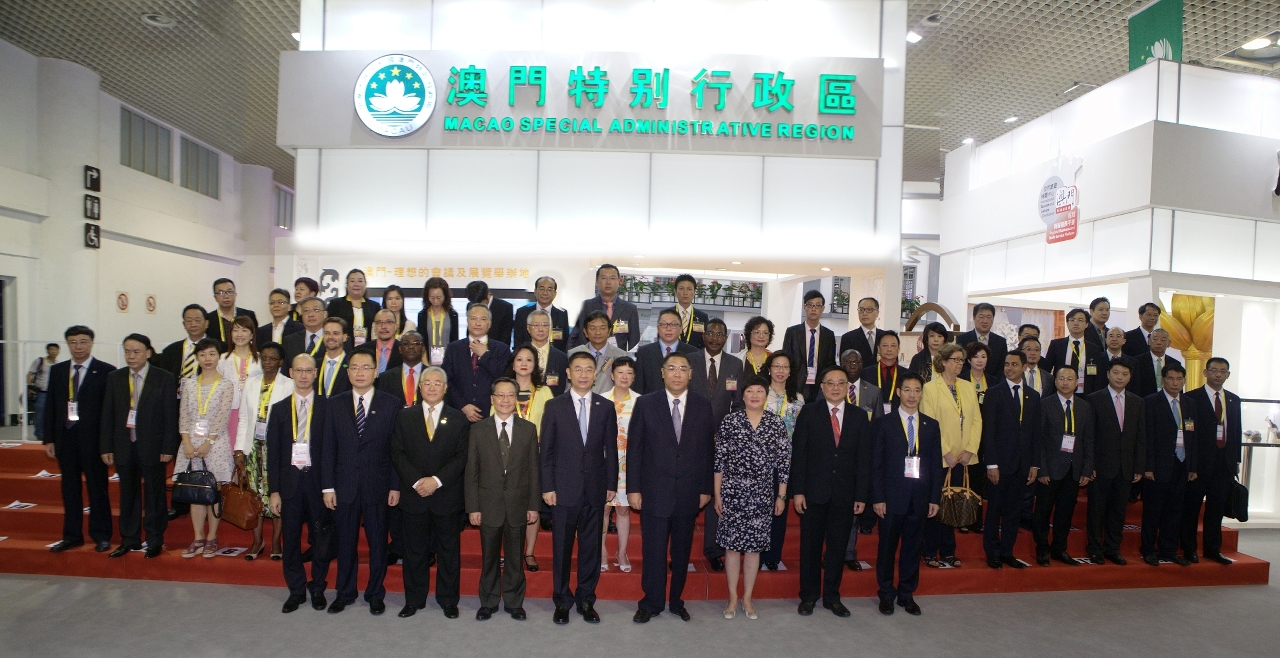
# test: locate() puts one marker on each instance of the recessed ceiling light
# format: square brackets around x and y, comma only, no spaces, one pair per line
[1077,85]
[912,37]
[826,269]
[1252,45]
[158,20]
[735,262]
[1011,120]
[722,269]
[1172,291]
[967,140]
[1220,295]
[297,36]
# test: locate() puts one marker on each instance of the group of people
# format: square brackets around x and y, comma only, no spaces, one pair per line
[348,415]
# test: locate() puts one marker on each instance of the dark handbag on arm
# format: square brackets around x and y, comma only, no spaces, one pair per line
[241,506]
[959,506]
[1238,501]
[196,487]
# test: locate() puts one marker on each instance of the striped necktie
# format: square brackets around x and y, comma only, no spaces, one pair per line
[189,363]
[359,416]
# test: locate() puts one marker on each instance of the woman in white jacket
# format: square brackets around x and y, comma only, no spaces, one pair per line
[259,392]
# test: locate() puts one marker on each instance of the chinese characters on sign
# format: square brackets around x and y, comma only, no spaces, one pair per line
[422,272]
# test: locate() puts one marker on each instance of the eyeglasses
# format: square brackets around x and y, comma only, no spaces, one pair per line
[361,368]
[303,371]
[761,332]
[837,382]
[581,370]
[279,302]
[956,359]
[867,309]
[384,322]
[668,325]
[224,293]
[780,367]
[680,369]
[539,325]
[505,396]
[815,305]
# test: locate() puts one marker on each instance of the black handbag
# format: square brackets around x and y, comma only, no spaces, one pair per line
[1238,502]
[324,546]
[196,487]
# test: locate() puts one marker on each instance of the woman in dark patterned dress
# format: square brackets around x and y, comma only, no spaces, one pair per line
[750,444]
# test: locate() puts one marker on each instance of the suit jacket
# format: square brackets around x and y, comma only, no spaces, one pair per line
[282,476]
[170,358]
[295,344]
[622,310]
[823,472]
[157,417]
[393,357]
[857,340]
[424,327]
[220,329]
[392,381]
[1094,355]
[89,401]
[557,366]
[999,348]
[794,345]
[869,399]
[1162,435]
[728,369]
[1135,342]
[604,367]
[1052,461]
[690,334]
[354,464]
[472,387]
[503,492]
[1116,452]
[1208,455]
[340,307]
[444,456]
[1045,381]
[1010,430]
[559,322]
[579,473]
[871,375]
[649,365]
[1149,381]
[341,381]
[671,474]
[290,327]
[1098,338]
[501,326]
[889,484]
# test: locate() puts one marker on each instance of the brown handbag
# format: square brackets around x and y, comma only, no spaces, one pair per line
[959,506]
[241,506]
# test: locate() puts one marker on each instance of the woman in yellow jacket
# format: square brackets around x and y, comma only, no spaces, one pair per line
[953,403]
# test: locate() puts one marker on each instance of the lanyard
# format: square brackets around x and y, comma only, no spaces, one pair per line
[912,448]
[333,376]
[202,408]
[880,382]
[265,402]
[1069,422]
[756,366]
[222,329]
[688,326]
[310,408]
[1079,352]
[522,410]
[437,327]
[71,389]
[131,394]
[316,348]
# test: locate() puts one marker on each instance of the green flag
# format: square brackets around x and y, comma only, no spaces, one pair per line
[1155,32]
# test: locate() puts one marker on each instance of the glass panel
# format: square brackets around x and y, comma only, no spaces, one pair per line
[213,174]
[149,153]
[163,144]
[136,133]
[184,164]
[125,119]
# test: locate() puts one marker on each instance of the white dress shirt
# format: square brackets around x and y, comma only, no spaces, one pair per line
[578,406]
[839,409]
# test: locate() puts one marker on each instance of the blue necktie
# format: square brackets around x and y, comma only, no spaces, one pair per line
[360,416]
[1179,451]
[813,342]
[911,435]
[582,419]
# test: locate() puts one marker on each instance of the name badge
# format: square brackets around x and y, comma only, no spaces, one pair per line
[131,421]
[698,327]
[553,380]
[557,334]
[1068,443]
[982,395]
[613,340]
[1189,425]
[73,410]
[260,431]
[437,356]
[888,407]
[202,429]
[620,327]
[360,333]
[1080,385]
[1091,370]
[812,377]
[731,384]
[912,469]
[1219,434]
[301,455]
[1179,443]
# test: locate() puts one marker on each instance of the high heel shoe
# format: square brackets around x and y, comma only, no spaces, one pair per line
[731,612]
[750,612]
[277,551]
[624,568]
[251,554]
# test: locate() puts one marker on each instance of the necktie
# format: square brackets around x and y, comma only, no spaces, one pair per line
[853,393]
[189,362]
[668,349]
[675,418]
[333,363]
[360,416]
[1221,442]
[1075,356]
[1071,421]
[871,339]
[311,344]
[608,309]
[835,426]
[383,355]
[302,425]
[475,362]
[812,344]
[137,393]
[911,435]
[983,339]
[504,442]
[75,390]
[1159,367]
[713,377]
[410,389]
[1018,394]
[431,424]
[1179,451]
[1120,409]
[582,419]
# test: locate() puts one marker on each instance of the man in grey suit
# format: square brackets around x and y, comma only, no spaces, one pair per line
[1036,376]
[717,376]
[866,396]
[623,317]
[1064,463]
[649,357]
[502,497]
[598,346]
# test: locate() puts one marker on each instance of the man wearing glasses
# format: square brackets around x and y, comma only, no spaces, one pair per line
[811,346]
[385,346]
[649,358]
[552,359]
[716,375]
[281,324]
[624,318]
[310,340]
[865,337]
[544,293]
[226,312]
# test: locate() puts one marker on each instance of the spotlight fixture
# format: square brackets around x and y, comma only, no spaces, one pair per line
[1077,85]
[966,141]
[297,36]
[735,262]
[1261,53]
[826,269]
[1011,120]
[912,37]
[1256,44]
[158,20]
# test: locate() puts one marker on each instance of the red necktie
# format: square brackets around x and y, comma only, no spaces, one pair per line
[1217,414]
[835,426]
[608,309]
[475,362]
[409,389]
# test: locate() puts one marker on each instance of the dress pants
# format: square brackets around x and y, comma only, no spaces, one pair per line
[777,536]
[348,518]
[507,540]
[581,523]
[395,525]
[829,524]
[76,455]
[1211,486]
[1004,513]
[423,534]
[711,523]
[1055,501]
[307,508]
[1108,500]
[1162,513]
[656,532]
[141,492]
[896,530]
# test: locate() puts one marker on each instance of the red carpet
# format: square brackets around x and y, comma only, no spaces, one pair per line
[30,530]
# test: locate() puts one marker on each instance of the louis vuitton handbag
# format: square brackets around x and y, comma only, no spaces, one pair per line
[959,506]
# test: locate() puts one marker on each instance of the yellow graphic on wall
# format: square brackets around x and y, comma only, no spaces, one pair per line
[1190,328]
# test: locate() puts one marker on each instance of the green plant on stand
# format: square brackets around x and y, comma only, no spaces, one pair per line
[909,306]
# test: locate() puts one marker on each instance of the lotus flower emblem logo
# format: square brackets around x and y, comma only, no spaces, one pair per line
[1161,49]
[394,95]
[395,100]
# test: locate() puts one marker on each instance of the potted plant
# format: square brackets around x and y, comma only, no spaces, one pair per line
[840,302]
[713,291]
[909,306]
[757,294]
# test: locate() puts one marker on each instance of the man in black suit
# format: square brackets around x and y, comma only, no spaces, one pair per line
[716,375]
[472,363]
[1036,373]
[1064,464]
[579,474]
[311,339]
[294,442]
[386,349]
[649,358]
[500,311]
[335,359]
[811,346]
[429,451]
[544,294]
[1083,355]
[1099,314]
[358,480]
[538,327]
[1217,461]
[281,324]
[402,381]
[830,483]
[1171,452]
[885,372]
[1136,340]
[670,463]
[865,337]
[179,357]
[624,317]
[1119,447]
[865,396]
[1152,363]
[984,316]
[139,435]
[226,312]
[1010,427]
[693,323]
[904,492]
[72,423]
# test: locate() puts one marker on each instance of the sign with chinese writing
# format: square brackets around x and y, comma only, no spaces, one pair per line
[1058,203]
[408,273]
[825,107]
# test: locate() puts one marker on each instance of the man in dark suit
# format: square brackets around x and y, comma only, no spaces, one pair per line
[72,424]
[311,339]
[1036,373]
[429,451]
[357,478]
[538,327]
[226,312]
[1171,452]
[693,322]
[649,357]
[179,357]
[294,441]
[281,324]
[1074,350]
[670,463]
[1064,464]
[811,346]
[544,294]
[1152,363]
[716,375]
[885,372]
[984,316]
[386,349]
[865,337]
[1119,449]
[500,311]
[830,483]
[503,497]
[579,474]
[139,434]
[904,492]
[335,359]
[1136,340]
[1099,314]
[865,396]
[472,363]
[1217,461]
[1010,427]
[624,317]
[403,380]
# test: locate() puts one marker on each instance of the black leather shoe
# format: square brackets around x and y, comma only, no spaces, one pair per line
[64,544]
[682,613]
[1062,557]
[1193,558]
[1096,559]
[407,611]
[771,566]
[377,607]
[121,550]
[546,524]
[1012,562]
[1042,558]
[1217,557]
[642,616]
[339,605]
[886,606]
[318,602]
[484,613]
[431,559]
[291,604]
[837,608]
[101,546]
[589,614]
[1151,560]
[805,608]
[518,614]
[1181,561]
[1115,558]
[911,607]
[172,514]
[561,617]
[717,564]
[450,612]
[994,562]
[153,551]
[853,565]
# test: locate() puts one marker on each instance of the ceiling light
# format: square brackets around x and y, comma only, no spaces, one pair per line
[1077,85]
[1252,45]
[1172,291]
[1011,120]
[297,36]
[826,269]
[158,20]
[967,140]
[912,37]
[735,262]
[722,269]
